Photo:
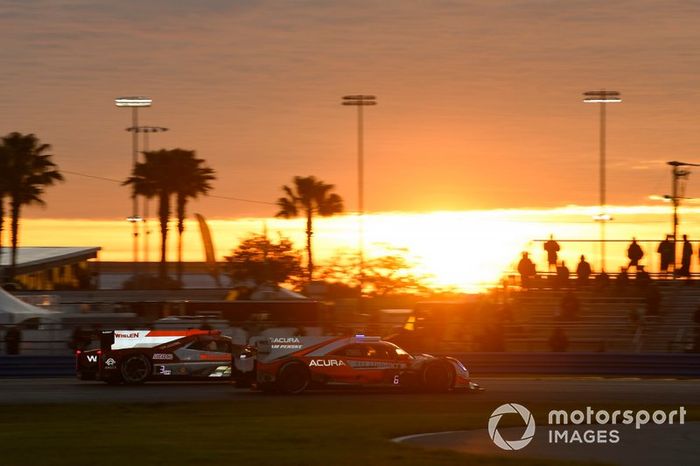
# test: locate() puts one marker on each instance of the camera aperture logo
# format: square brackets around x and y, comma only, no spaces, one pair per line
[580,426]
[511,408]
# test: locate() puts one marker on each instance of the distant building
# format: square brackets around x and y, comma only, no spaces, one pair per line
[195,275]
[52,268]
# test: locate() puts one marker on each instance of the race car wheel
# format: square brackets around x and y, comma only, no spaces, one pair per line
[437,377]
[293,378]
[135,369]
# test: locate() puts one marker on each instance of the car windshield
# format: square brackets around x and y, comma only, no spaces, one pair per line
[402,354]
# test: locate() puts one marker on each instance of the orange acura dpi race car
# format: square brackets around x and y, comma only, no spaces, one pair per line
[293,364]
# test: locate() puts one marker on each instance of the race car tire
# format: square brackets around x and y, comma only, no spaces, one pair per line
[135,369]
[437,377]
[293,378]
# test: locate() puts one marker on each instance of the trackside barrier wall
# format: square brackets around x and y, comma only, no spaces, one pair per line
[36,366]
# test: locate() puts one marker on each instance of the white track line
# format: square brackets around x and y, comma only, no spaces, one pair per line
[429,434]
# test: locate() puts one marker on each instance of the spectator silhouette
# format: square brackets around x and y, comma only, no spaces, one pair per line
[667,252]
[583,271]
[563,275]
[687,253]
[635,254]
[526,269]
[552,248]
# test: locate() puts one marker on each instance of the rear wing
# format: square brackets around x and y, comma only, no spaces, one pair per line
[125,339]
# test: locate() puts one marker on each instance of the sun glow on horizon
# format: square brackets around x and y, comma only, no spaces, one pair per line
[466,250]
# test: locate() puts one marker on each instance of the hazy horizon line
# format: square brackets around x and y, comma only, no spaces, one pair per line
[569,209]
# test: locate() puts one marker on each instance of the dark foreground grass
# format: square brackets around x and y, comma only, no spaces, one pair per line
[334,429]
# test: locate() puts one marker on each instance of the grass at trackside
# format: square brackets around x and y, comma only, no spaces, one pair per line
[333,430]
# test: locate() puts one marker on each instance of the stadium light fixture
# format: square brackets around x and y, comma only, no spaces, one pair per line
[134,102]
[360,101]
[603,98]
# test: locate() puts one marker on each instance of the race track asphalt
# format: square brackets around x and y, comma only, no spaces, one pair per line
[496,390]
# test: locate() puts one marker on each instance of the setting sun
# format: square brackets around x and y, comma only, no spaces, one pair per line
[466,250]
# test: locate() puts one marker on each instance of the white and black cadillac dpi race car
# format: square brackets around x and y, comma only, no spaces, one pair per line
[293,364]
[135,356]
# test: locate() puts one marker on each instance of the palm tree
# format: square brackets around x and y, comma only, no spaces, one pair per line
[165,173]
[192,179]
[155,177]
[309,196]
[27,170]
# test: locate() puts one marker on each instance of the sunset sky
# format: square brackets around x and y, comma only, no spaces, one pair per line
[479,102]
[479,109]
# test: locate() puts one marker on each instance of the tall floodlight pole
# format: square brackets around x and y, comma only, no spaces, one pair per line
[677,175]
[134,103]
[360,101]
[146,131]
[603,98]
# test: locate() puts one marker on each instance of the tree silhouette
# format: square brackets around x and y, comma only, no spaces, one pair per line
[309,196]
[261,260]
[193,179]
[27,170]
[165,173]
[155,177]
[391,274]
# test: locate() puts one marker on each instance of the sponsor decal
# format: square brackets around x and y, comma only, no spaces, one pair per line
[162,356]
[91,357]
[110,362]
[601,426]
[126,335]
[285,340]
[326,363]
[375,365]
[285,343]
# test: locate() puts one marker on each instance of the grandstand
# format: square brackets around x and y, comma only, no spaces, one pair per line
[607,320]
